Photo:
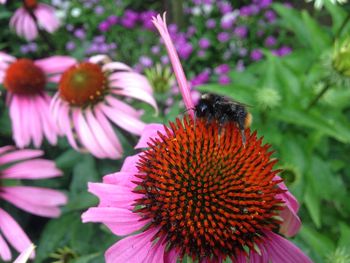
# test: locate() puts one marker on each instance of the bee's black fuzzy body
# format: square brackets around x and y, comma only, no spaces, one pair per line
[223,110]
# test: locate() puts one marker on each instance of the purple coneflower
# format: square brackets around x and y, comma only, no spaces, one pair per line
[25,19]
[89,100]
[197,193]
[25,81]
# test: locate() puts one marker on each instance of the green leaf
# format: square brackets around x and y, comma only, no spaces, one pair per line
[67,159]
[338,14]
[344,239]
[313,201]
[319,242]
[320,40]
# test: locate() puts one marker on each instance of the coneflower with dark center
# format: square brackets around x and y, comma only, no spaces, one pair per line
[197,192]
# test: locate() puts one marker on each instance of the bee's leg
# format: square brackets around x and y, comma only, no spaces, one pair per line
[222,120]
[243,137]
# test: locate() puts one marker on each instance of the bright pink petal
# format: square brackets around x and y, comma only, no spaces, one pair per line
[5,252]
[126,122]
[36,127]
[35,200]
[55,64]
[32,169]
[129,164]
[101,136]
[46,16]
[18,130]
[120,221]
[160,24]
[116,103]
[122,179]
[6,149]
[291,222]
[133,249]
[281,250]
[113,195]
[19,155]
[13,232]
[150,131]
[171,256]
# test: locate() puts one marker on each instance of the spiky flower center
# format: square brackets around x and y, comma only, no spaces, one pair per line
[24,77]
[211,196]
[30,4]
[83,84]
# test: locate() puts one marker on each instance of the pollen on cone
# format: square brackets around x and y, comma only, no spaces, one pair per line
[211,195]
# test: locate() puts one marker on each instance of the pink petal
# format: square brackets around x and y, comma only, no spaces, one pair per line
[157,253]
[150,131]
[86,135]
[19,155]
[36,127]
[129,164]
[35,200]
[113,195]
[133,249]
[116,103]
[102,138]
[6,149]
[108,129]
[171,256]
[126,122]
[15,104]
[6,58]
[130,80]
[55,64]
[13,232]
[120,221]
[179,73]
[5,252]
[281,250]
[32,169]
[46,16]
[116,66]
[122,179]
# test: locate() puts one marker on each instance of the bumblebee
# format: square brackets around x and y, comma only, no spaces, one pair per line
[223,110]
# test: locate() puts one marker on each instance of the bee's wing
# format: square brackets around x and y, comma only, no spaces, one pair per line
[227,100]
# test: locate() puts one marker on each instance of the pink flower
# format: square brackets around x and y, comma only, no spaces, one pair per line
[25,164]
[26,18]
[89,100]
[25,81]
[197,193]
[3,2]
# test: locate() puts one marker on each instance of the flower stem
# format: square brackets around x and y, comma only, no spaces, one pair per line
[342,26]
[319,95]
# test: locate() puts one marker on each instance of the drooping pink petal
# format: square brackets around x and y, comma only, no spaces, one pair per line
[150,131]
[19,155]
[101,136]
[126,122]
[35,200]
[85,134]
[5,252]
[122,106]
[46,16]
[55,64]
[113,195]
[16,120]
[160,24]
[119,220]
[36,126]
[108,129]
[281,250]
[31,169]
[13,232]
[133,249]
[157,253]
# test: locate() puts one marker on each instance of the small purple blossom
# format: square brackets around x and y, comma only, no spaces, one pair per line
[241,31]
[201,53]
[146,61]
[129,18]
[99,10]
[270,16]
[270,41]
[204,43]
[155,50]
[112,20]
[224,79]
[228,19]
[103,26]
[240,66]
[185,51]
[249,10]
[225,7]
[70,45]
[69,27]
[210,24]
[201,78]
[164,60]
[222,69]
[191,31]
[256,55]
[223,36]
[80,33]
[284,50]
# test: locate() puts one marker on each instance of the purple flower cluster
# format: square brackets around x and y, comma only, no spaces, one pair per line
[99,46]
